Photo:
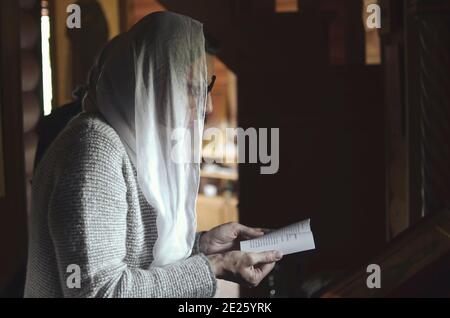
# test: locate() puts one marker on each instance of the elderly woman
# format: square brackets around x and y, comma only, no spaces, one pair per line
[114,196]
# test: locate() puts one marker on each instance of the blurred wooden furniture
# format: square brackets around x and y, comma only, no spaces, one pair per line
[213,211]
[416,264]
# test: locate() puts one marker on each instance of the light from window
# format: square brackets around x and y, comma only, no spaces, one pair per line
[283,6]
[373,46]
[46,61]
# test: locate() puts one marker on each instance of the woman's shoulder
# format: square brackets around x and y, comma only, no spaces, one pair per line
[91,125]
[89,134]
[92,129]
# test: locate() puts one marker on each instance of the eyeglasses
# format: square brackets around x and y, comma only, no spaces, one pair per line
[211,86]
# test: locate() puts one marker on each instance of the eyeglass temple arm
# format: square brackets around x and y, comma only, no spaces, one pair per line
[213,81]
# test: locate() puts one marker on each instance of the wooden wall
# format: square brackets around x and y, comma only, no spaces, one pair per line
[62,52]
[15,86]
[31,56]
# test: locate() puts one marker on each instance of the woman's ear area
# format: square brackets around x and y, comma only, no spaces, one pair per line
[209,104]
[209,65]
[210,71]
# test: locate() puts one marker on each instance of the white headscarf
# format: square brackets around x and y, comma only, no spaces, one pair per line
[152,89]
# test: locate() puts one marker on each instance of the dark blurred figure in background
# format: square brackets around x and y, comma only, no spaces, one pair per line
[85,45]
[88,41]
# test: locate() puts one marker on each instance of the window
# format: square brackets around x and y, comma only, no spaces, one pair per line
[283,6]
[46,60]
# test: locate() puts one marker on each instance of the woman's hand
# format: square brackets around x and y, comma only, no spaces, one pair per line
[226,237]
[244,268]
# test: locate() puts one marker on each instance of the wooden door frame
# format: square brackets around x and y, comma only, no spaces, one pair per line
[13,235]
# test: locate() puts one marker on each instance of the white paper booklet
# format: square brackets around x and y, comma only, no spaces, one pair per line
[294,238]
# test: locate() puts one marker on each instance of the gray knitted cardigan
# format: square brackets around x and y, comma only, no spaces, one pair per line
[87,210]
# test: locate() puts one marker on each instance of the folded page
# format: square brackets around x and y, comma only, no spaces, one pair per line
[294,238]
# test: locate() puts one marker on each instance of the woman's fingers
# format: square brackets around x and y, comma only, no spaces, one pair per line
[254,275]
[246,232]
[266,231]
[265,257]
[246,268]
[266,269]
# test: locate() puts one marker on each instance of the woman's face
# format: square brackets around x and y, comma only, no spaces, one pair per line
[194,91]
[208,110]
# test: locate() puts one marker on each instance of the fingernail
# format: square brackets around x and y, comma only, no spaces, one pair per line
[278,255]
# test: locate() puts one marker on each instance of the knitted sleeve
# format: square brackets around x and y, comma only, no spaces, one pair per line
[196,247]
[87,221]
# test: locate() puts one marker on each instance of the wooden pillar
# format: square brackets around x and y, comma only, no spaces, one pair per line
[393,33]
[12,201]
[31,71]
[433,19]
